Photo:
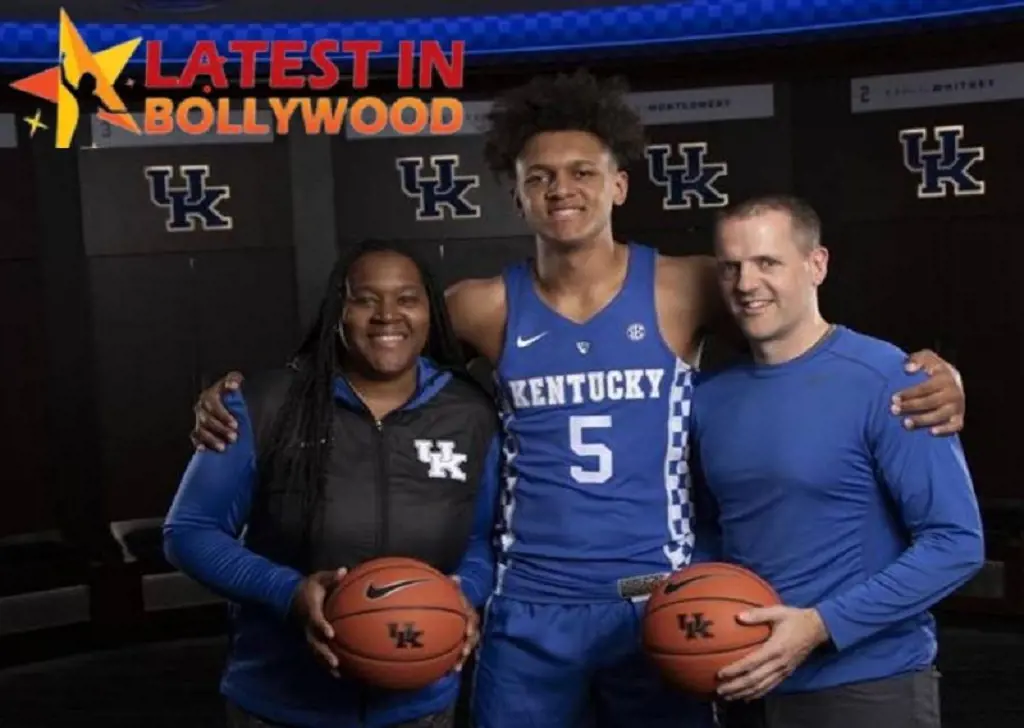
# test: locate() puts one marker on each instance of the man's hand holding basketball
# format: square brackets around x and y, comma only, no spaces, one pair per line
[308,607]
[472,628]
[795,632]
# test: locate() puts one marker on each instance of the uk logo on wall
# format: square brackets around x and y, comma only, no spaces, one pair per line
[687,175]
[440,193]
[188,198]
[943,164]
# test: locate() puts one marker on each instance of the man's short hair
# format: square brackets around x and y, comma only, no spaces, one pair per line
[805,221]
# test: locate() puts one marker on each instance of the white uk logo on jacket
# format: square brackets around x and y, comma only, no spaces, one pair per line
[440,455]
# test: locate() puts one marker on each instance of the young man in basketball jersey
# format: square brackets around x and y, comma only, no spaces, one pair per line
[858,524]
[593,343]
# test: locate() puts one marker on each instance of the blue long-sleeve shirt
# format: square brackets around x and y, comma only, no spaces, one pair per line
[821,491]
[270,669]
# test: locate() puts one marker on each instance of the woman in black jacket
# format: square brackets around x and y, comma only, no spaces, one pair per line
[374,442]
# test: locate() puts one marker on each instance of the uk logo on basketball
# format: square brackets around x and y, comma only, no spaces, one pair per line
[405,636]
[444,190]
[196,202]
[696,626]
[942,164]
[693,182]
[442,459]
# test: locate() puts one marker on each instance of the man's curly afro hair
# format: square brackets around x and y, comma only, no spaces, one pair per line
[577,102]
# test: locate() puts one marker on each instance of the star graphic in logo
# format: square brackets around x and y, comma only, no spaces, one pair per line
[82,83]
[35,123]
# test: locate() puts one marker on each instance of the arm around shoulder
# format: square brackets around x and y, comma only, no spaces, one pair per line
[692,283]
[477,310]
[716,319]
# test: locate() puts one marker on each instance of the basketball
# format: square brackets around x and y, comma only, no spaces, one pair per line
[399,624]
[690,629]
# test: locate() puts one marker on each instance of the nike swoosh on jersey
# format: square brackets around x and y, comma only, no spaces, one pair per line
[522,343]
[379,592]
[676,586]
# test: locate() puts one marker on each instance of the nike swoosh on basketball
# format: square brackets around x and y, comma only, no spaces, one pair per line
[672,588]
[379,592]
[522,343]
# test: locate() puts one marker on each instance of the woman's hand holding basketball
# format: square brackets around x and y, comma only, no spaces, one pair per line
[472,628]
[308,606]
[795,632]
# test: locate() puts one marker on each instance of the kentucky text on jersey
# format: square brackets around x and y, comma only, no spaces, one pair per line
[581,387]
[595,494]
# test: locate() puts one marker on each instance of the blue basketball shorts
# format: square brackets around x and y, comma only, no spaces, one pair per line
[572,665]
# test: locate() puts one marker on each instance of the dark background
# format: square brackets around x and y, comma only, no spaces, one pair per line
[119,323]
[110,325]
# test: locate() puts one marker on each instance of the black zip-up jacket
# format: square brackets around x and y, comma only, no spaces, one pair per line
[422,483]
[405,486]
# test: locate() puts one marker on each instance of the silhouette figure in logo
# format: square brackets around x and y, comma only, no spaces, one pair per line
[85,93]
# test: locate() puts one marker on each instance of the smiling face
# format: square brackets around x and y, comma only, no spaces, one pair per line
[567,184]
[386,317]
[769,274]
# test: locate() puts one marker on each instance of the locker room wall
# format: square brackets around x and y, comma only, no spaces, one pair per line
[22,348]
[472,237]
[172,311]
[921,270]
[741,137]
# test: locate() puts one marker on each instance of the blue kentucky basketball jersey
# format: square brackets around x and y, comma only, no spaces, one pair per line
[596,417]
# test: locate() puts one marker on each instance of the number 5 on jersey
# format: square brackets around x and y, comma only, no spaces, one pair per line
[581,429]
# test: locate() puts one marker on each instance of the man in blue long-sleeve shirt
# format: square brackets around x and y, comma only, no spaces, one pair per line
[859,524]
